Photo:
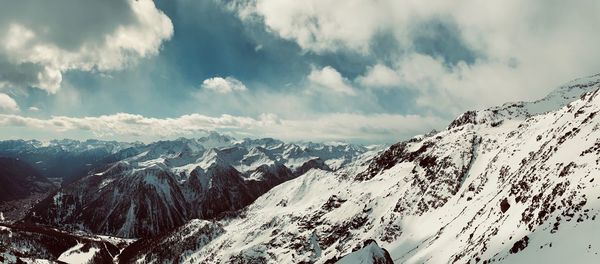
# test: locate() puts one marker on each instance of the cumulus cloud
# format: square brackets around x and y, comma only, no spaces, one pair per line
[224,85]
[41,41]
[331,80]
[522,49]
[8,104]
[335,126]
[478,85]
[318,25]
[379,76]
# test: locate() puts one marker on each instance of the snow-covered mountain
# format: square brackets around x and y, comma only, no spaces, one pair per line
[156,187]
[509,184]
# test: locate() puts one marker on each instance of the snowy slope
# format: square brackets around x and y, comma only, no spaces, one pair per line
[509,184]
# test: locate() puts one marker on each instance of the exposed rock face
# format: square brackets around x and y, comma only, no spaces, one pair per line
[516,185]
[504,205]
[469,117]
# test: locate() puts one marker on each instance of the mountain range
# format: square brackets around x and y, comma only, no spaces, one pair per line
[151,188]
[508,184]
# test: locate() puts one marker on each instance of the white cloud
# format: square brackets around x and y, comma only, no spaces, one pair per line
[227,85]
[388,128]
[330,79]
[379,76]
[42,42]
[8,104]
[335,126]
[452,89]
[318,25]
[523,48]
[122,124]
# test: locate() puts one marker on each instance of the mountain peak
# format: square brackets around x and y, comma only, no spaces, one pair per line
[555,100]
[214,139]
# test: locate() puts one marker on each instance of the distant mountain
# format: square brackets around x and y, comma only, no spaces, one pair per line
[65,159]
[159,186]
[509,184]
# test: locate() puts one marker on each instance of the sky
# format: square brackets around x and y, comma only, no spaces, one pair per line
[362,71]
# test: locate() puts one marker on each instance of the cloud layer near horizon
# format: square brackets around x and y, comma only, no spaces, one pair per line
[338,126]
